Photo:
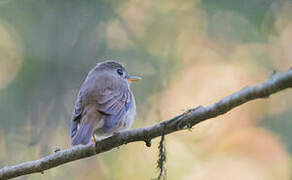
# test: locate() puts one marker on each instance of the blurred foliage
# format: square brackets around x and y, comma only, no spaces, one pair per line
[189,53]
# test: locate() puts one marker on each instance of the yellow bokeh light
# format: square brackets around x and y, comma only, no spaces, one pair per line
[10,55]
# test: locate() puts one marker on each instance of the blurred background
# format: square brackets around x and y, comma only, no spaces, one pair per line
[189,53]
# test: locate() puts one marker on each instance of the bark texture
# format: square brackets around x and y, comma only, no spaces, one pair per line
[276,83]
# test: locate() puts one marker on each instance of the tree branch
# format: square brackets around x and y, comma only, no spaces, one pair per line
[275,83]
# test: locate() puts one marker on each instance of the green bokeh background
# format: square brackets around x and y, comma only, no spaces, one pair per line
[48,46]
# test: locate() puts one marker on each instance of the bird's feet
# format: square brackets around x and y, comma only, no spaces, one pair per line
[94,141]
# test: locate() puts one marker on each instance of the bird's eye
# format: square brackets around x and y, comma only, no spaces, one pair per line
[120,72]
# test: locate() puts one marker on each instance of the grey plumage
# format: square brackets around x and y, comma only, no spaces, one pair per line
[104,105]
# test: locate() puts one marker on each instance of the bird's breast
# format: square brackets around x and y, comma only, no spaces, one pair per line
[128,120]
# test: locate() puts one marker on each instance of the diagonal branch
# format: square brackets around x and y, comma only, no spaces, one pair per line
[275,83]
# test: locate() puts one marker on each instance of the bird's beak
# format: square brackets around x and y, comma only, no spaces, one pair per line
[133,78]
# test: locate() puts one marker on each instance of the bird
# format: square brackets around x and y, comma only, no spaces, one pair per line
[105,104]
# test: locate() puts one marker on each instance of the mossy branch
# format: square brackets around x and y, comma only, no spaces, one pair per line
[275,83]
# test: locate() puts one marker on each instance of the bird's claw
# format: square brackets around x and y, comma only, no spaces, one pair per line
[94,141]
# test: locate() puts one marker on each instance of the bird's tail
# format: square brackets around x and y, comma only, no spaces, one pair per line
[83,134]
[74,128]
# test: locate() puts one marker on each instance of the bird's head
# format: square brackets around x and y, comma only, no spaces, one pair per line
[117,70]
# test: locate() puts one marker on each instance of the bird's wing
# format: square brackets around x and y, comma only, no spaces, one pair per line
[83,99]
[76,114]
[114,104]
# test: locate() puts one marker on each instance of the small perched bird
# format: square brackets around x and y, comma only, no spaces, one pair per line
[105,104]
